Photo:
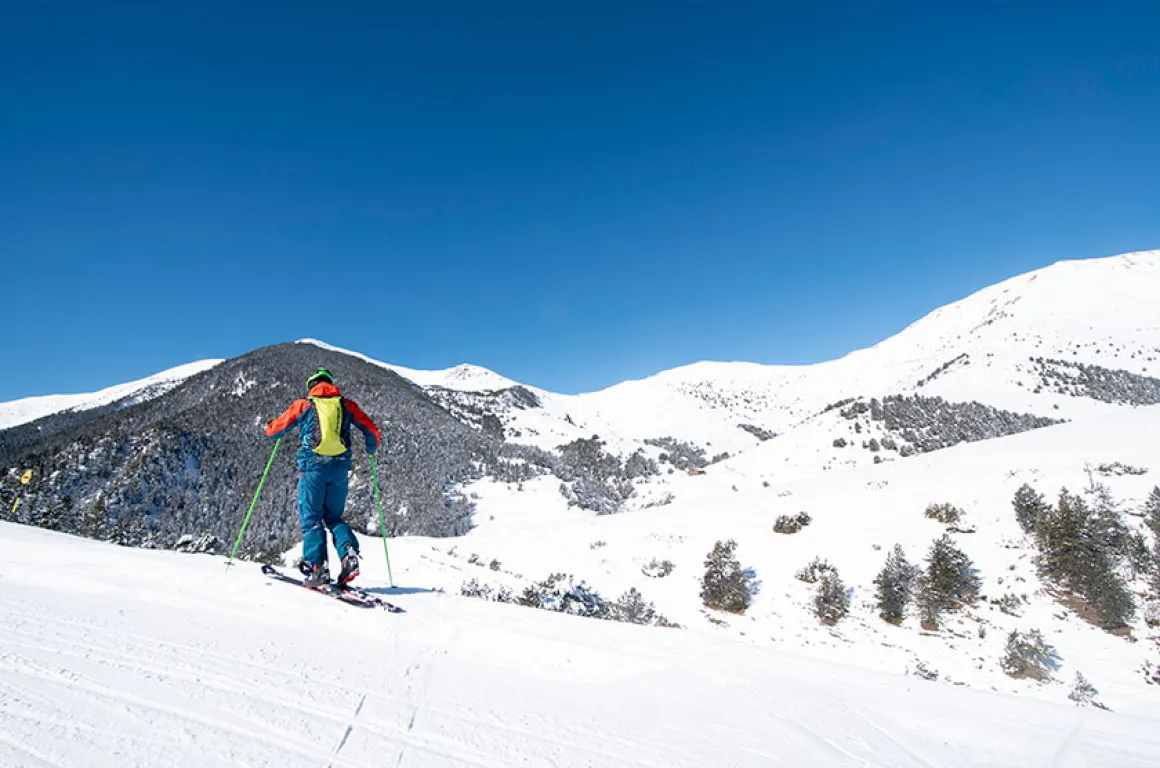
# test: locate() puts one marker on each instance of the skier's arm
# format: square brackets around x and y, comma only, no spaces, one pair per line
[288,419]
[365,425]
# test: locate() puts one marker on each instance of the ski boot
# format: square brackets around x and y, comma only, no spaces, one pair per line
[315,575]
[349,568]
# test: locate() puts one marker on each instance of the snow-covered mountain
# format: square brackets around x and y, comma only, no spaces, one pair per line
[465,377]
[1073,339]
[28,409]
[1047,379]
[1099,312]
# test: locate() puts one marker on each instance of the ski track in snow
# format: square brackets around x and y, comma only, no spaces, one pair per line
[212,669]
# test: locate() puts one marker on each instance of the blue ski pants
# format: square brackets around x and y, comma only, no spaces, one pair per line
[321,501]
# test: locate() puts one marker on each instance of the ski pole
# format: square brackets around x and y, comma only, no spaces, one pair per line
[246,522]
[382,524]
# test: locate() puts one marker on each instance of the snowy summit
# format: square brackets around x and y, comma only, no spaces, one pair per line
[941,550]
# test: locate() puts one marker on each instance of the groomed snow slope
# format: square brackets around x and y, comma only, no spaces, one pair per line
[119,657]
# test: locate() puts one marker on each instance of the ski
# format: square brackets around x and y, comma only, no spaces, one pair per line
[346,594]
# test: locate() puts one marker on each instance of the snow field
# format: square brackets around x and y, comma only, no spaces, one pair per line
[132,658]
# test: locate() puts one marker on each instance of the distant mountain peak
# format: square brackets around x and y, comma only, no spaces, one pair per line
[465,376]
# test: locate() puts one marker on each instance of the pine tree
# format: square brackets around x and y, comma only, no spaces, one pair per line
[94,520]
[949,580]
[1109,595]
[50,516]
[894,586]
[1152,520]
[1029,655]
[1083,692]
[831,601]
[1154,582]
[1152,513]
[1106,522]
[1140,556]
[1082,549]
[1030,509]
[725,586]
[1066,543]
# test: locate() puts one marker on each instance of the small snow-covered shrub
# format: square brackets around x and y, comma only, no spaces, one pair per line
[1010,604]
[922,670]
[1117,468]
[946,514]
[1029,656]
[760,433]
[632,608]
[1152,613]
[657,569]
[814,570]
[1083,693]
[560,593]
[474,588]
[681,455]
[792,524]
[206,544]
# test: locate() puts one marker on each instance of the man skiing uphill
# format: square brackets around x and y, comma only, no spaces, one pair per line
[324,421]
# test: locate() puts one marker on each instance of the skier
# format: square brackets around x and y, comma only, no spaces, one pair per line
[324,420]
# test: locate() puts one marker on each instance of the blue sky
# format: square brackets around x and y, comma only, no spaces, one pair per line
[572,194]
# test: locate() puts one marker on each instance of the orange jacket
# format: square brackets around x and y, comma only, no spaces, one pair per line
[301,414]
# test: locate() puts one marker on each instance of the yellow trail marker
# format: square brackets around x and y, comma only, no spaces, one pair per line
[25,479]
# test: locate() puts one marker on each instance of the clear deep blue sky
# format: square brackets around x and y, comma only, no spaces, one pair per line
[572,194]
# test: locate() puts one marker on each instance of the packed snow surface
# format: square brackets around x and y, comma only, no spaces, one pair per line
[119,657]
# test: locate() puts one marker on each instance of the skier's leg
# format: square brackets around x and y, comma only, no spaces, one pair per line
[311,500]
[335,503]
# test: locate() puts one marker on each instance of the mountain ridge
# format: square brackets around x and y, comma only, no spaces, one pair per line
[769,380]
[530,482]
